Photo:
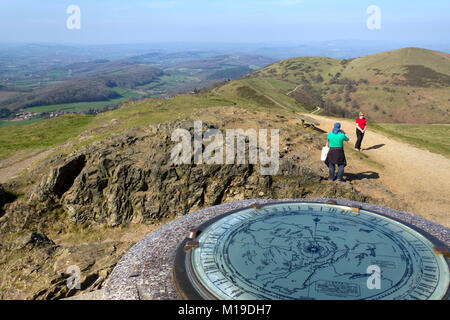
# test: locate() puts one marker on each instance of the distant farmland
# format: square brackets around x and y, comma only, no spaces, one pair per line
[81,106]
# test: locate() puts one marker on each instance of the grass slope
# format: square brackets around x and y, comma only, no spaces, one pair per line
[285,87]
[41,135]
[402,86]
[53,132]
[392,62]
[431,137]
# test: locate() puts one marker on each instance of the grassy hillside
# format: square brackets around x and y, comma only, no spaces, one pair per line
[44,134]
[289,87]
[393,62]
[40,135]
[433,137]
[403,86]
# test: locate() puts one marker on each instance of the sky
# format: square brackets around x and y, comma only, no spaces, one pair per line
[230,21]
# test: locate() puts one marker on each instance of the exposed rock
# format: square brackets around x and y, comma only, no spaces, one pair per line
[43,272]
[95,262]
[59,180]
[128,179]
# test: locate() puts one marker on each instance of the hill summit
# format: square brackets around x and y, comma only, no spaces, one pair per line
[409,85]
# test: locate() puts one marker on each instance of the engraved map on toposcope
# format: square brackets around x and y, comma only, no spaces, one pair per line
[316,251]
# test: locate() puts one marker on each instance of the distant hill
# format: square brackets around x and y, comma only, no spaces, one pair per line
[394,62]
[88,89]
[100,83]
[408,85]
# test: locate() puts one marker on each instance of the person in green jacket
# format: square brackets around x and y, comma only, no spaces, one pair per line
[336,155]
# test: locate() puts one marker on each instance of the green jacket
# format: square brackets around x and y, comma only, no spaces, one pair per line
[337,140]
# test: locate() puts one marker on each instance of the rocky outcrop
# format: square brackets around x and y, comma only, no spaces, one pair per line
[129,179]
[59,180]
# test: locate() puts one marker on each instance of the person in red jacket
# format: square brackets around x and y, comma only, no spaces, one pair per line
[361,126]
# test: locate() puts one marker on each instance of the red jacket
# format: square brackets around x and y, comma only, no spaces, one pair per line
[361,123]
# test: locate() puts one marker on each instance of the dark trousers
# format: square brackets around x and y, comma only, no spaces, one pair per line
[360,136]
[332,169]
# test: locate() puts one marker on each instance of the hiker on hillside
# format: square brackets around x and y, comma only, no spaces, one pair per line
[336,155]
[361,126]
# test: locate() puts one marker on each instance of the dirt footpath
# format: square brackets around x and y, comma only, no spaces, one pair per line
[11,168]
[418,176]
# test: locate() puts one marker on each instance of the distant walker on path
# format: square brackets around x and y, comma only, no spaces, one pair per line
[361,126]
[336,155]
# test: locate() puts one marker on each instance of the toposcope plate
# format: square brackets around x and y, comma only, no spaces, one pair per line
[309,251]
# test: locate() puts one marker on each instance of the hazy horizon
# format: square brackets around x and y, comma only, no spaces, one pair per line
[201,21]
[277,51]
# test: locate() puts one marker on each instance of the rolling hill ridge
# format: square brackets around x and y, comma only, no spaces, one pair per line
[408,85]
[97,184]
